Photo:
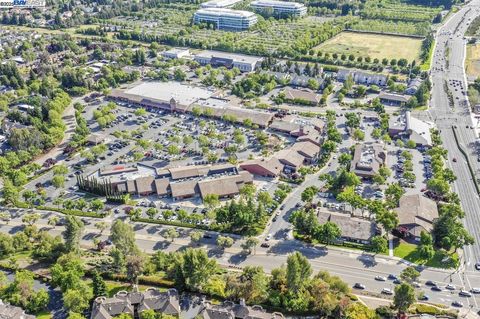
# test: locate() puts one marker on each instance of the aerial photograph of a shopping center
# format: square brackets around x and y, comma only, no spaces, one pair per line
[239,159]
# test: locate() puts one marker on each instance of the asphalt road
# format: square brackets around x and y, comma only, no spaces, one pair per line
[351,266]
[448,71]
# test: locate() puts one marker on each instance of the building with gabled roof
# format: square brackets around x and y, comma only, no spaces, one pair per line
[416,213]
[135,303]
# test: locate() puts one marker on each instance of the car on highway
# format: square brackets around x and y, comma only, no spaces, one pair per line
[359,286]
[380,278]
[269,236]
[387,291]
[465,293]
[424,297]
[265,245]
[430,283]
[437,288]
[457,304]
[454,159]
[450,287]
[475,290]
[477,266]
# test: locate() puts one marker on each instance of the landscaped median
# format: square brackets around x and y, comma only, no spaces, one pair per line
[72,212]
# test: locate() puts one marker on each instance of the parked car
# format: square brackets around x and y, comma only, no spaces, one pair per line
[457,304]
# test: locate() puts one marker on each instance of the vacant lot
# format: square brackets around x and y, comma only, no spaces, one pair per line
[373,46]
[472,63]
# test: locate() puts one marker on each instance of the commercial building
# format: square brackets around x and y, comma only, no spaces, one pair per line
[176,53]
[392,99]
[304,151]
[279,8]
[416,213]
[226,19]
[352,229]
[367,159]
[245,63]
[303,96]
[408,127]
[223,180]
[219,3]
[177,97]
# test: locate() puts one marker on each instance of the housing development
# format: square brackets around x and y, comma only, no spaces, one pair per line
[237,159]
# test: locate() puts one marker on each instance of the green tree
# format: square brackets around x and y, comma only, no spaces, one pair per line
[224,241]
[328,232]
[249,244]
[67,272]
[410,274]
[123,237]
[211,201]
[298,271]
[196,236]
[30,218]
[309,193]
[135,265]
[170,233]
[73,233]
[193,269]
[379,244]
[99,285]
[404,296]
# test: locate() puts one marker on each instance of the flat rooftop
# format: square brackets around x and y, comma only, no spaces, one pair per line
[219,3]
[233,56]
[275,3]
[165,91]
[224,12]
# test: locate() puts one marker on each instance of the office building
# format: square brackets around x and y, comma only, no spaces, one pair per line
[245,63]
[219,4]
[279,8]
[226,19]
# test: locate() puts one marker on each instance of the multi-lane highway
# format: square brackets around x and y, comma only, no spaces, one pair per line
[450,111]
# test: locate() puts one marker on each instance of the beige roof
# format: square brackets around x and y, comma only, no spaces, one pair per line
[351,227]
[290,157]
[162,185]
[144,184]
[306,148]
[307,95]
[187,171]
[225,186]
[271,165]
[367,159]
[418,210]
[183,189]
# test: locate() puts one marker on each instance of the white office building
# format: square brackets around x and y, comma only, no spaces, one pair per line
[226,19]
[219,3]
[279,8]
[245,63]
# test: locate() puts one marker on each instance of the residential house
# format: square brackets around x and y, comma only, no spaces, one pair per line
[12,312]
[134,303]
[360,77]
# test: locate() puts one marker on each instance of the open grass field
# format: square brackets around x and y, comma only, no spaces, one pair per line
[472,62]
[373,45]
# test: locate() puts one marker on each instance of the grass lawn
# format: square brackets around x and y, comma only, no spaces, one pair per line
[373,45]
[472,62]
[408,252]
[44,315]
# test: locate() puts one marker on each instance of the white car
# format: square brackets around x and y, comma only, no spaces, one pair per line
[450,287]
[416,284]
[465,293]
[269,236]
[475,290]
[380,278]
[387,291]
